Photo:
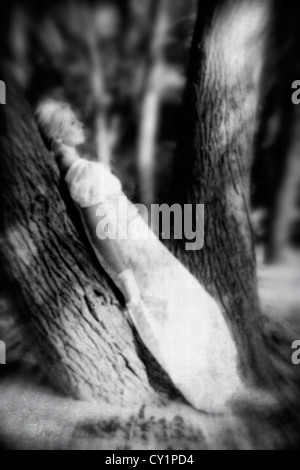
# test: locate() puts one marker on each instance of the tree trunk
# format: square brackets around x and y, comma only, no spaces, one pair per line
[77,324]
[221,103]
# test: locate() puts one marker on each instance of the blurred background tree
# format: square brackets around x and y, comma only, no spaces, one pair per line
[276,168]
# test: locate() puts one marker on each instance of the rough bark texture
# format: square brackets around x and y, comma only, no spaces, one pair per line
[221,103]
[77,323]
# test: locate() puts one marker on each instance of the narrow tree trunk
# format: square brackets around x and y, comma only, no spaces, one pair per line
[150,110]
[221,104]
[274,185]
[287,212]
[98,88]
[78,326]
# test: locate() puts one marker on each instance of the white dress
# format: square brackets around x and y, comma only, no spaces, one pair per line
[178,321]
[91,183]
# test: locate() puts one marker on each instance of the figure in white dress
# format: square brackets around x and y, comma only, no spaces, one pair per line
[190,340]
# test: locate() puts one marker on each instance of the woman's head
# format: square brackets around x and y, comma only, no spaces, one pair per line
[58,121]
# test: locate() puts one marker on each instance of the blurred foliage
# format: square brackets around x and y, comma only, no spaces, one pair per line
[98,55]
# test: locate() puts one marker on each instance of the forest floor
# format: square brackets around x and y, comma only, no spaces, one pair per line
[33,416]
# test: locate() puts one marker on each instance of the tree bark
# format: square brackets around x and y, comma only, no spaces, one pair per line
[77,324]
[220,110]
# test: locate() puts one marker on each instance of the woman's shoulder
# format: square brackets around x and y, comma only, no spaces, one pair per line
[87,168]
[102,172]
[93,180]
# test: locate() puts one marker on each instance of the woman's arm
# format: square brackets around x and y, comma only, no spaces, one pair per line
[65,156]
[110,255]
[109,249]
